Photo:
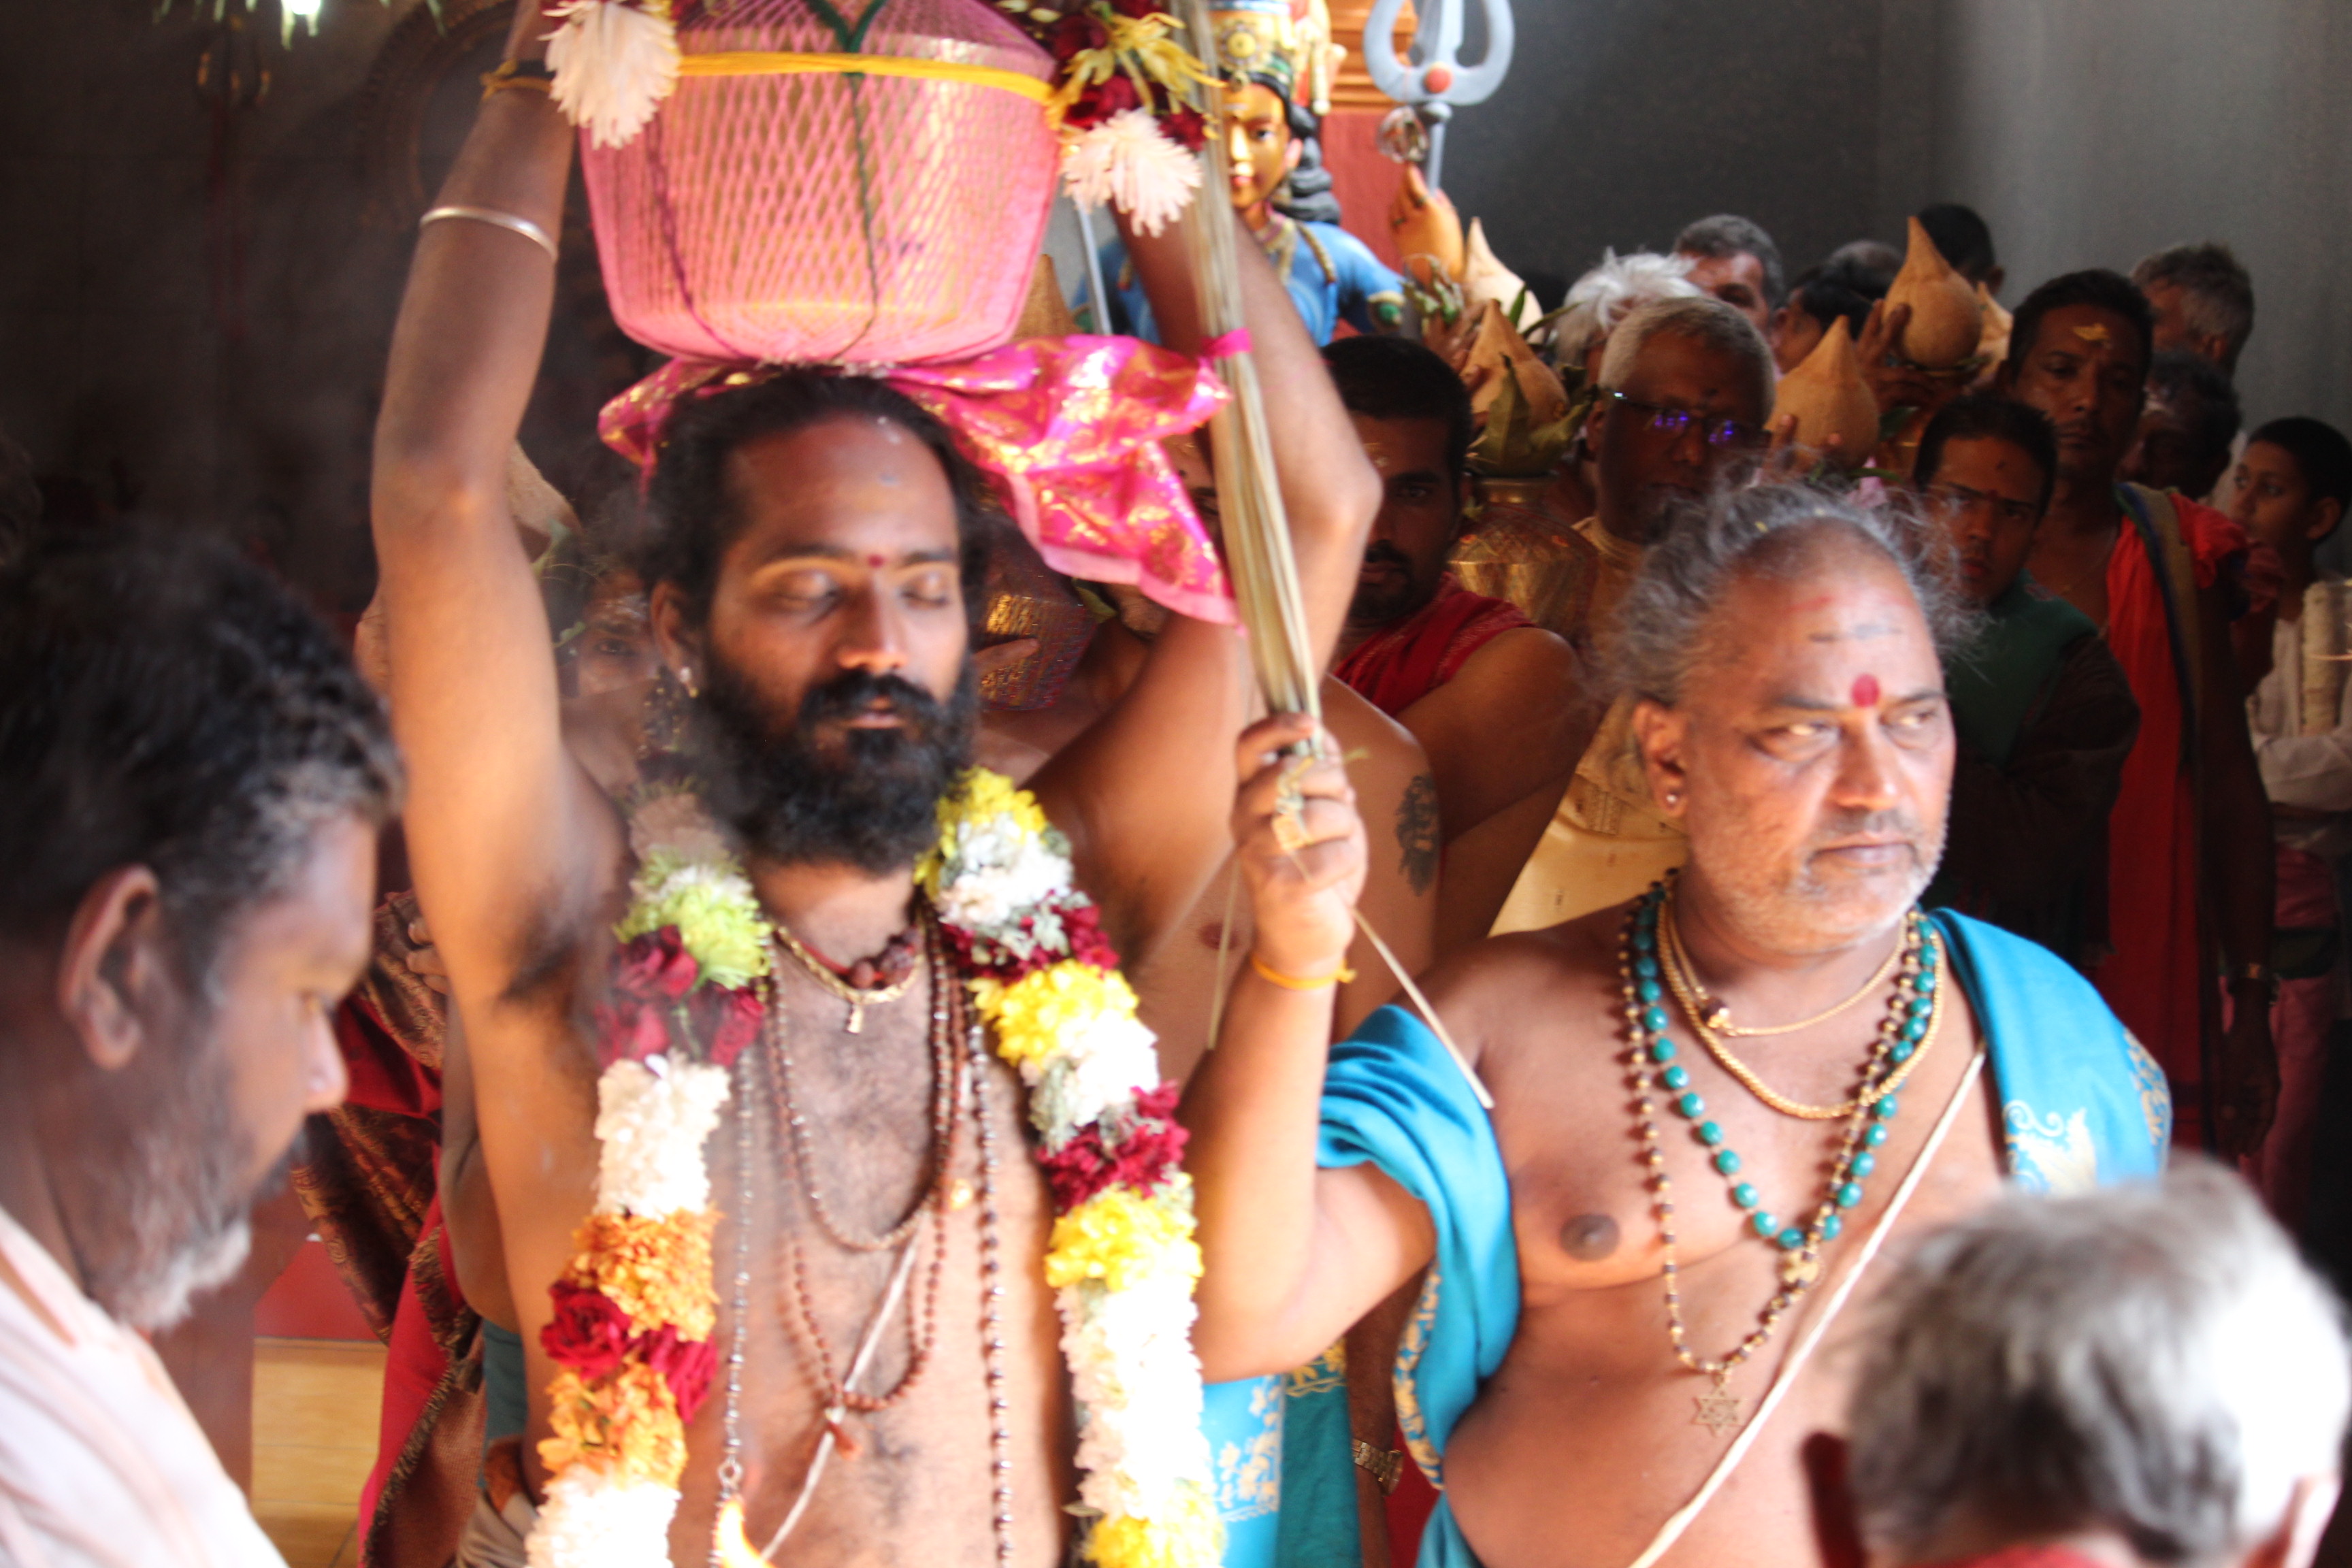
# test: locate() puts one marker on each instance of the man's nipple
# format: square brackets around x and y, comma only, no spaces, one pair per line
[1589,1238]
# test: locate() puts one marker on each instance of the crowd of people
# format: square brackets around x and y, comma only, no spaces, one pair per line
[1676,1063]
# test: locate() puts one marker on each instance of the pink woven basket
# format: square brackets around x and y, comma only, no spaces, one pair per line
[819,216]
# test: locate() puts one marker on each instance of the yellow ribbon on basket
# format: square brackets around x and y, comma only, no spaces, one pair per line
[745,62]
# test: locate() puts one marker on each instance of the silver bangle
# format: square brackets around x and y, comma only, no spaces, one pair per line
[521,226]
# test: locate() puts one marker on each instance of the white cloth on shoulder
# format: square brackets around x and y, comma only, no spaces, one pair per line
[100,1463]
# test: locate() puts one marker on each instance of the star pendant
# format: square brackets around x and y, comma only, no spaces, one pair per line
[1719,1413]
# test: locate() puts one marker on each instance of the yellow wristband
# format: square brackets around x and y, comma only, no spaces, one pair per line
[1339,976]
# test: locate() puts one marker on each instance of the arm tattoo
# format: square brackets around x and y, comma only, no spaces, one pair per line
[1416,831]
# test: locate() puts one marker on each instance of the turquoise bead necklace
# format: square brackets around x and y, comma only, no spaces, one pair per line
[1903,1040]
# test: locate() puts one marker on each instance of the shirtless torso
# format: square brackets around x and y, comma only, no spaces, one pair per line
[1586,1439]
[839,561]
[1808,756]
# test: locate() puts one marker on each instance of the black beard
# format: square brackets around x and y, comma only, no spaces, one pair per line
[868,799]
[1388,603]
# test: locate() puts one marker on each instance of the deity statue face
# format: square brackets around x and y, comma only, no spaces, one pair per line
[1259,146]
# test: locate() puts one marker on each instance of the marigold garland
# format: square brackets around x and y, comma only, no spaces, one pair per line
[636,1306]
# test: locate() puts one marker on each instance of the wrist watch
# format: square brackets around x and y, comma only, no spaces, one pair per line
[1385,1466]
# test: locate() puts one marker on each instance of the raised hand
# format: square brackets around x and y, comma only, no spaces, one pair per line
[1300,845]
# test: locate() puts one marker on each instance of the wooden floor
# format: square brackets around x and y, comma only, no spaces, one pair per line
[315,1408]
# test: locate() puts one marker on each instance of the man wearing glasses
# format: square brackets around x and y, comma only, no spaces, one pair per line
[1685,395]
[2045,714]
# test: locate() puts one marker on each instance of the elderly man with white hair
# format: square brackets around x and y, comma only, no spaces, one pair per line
[2142,1376]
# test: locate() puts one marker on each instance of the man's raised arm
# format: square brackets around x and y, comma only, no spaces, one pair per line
[1143,793]
[1291,1255]
[495,809]
[512,847]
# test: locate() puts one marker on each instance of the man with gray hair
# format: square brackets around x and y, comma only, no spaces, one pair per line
[1685,393]
[2203,299]
[1734,260]
[192,775]
[1605,296]
[1670,1137]
[2144,1375]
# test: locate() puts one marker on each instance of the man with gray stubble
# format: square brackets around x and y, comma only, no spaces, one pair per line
[192,775]
[2144,1375]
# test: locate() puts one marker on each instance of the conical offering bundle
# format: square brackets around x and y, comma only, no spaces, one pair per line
[1829,397]
[1946,315]
[817,185]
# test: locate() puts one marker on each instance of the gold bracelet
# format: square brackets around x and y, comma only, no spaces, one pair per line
[1385,1466]
[531,74]
[1339,976]
[509,221]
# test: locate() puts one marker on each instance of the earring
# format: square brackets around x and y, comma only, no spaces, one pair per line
[1673,797]
[686,678]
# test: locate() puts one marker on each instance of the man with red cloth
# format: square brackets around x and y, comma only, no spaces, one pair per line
[1457,669]
[2190,862]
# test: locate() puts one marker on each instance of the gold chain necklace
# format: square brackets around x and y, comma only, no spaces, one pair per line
[1709,1013]
[859,998]
[1679,980]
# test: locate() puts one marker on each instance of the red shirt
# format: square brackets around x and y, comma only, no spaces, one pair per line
[1398,666]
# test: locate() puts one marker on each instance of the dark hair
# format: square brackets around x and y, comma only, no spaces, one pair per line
[697,513]
[2175,370]
[1395,378]
[1987,416]
[2096,287]
[1728,235]
[1962,236]
[1306,195]
[164,703]
[1828,291]
[1872,263]
[2319,449]
[2220,292]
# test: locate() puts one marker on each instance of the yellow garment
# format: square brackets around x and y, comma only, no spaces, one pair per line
[1607,840]
[1611,577]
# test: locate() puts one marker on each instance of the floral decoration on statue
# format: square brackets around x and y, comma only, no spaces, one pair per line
[636,1306]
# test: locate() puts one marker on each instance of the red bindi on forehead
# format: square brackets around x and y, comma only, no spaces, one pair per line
[1865,691]
[875,563]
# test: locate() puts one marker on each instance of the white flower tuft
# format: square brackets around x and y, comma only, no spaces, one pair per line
[651,1120]
[1134,1374]
[589,1521]
[1130,160]
[614,64]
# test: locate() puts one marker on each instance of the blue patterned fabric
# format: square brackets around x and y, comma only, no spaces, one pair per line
[1355,280]
[2081,1104]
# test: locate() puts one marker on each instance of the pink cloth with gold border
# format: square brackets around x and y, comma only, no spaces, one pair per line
[1071,428]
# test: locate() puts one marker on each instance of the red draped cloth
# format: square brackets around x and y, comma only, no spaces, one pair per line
[1398,666]
[369,1181]
[2156,978]
[2030,1557]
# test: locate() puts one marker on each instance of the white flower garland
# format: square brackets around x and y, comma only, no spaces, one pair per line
[1121,1259]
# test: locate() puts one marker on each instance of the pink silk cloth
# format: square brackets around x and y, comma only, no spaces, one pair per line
[1072,428]
[2030,1557]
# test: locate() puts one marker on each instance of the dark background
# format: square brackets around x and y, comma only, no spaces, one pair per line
[195,292]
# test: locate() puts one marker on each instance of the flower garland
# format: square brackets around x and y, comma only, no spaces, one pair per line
[637,1306]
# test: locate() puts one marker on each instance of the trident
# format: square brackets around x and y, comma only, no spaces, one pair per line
[1433,80]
